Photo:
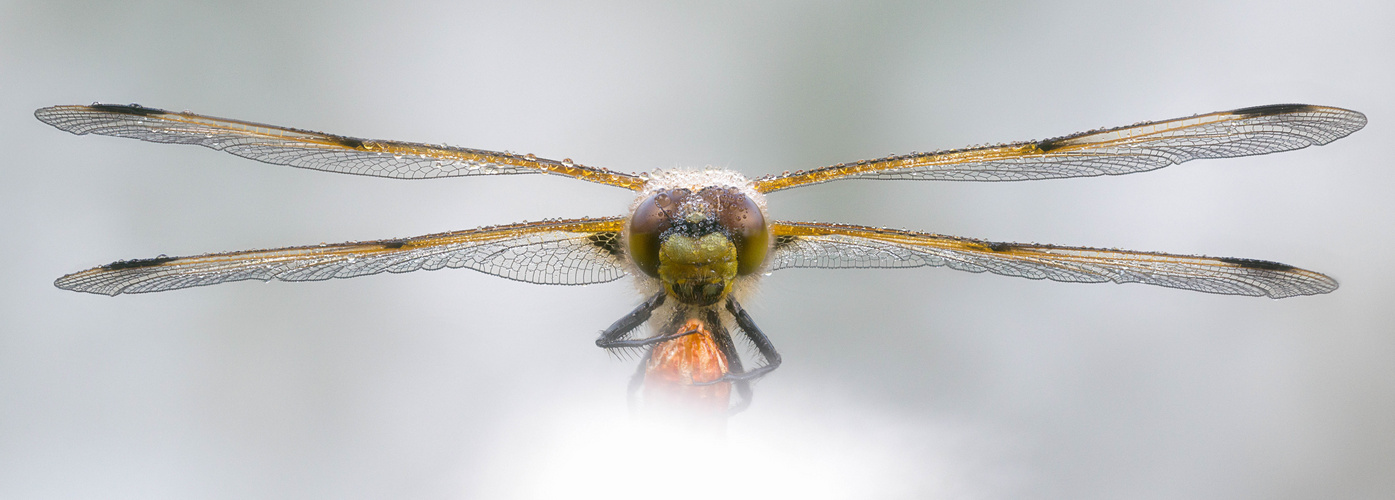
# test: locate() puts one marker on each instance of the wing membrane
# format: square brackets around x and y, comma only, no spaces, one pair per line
[1123,150]
[569,252]
[802,244]
[313,150]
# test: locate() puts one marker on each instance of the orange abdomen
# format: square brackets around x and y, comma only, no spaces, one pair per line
[676,365]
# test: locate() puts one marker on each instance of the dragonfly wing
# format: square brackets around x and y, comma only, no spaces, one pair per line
[568,252]
[313,150]
[1123,150]
[802,244]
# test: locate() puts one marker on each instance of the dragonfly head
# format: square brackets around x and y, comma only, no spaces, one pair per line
[697,243]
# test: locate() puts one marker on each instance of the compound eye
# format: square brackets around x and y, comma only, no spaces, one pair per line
[647,226]
[743,221]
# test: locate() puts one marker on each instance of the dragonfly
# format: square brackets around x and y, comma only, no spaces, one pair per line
[698,240]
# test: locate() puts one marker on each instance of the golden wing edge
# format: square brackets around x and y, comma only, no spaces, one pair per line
[1062,145]
[603,233]
[62,117]
[1300,281]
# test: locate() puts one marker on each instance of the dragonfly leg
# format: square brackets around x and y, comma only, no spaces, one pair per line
[763,345]
[728,348]
[614,337]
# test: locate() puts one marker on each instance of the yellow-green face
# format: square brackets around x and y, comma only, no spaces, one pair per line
[698,243]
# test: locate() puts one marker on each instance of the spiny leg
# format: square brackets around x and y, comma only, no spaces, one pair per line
[763,345]
[612,337]
[723,340]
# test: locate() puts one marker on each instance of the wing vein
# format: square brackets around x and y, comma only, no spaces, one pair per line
[814,245]
[548,252]
[1124,150]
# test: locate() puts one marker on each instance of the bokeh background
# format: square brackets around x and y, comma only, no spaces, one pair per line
[925,383]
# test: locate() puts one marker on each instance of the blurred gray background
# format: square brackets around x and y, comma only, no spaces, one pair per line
[925,383]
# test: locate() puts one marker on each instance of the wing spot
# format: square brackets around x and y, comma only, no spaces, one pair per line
[138,263]
[128,109]
[1257,264]
[1001,247]
[393,245]
[350,142]
[607,241]
[1048,146]
[1271,109]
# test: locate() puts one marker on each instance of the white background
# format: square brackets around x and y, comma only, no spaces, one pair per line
[925,383]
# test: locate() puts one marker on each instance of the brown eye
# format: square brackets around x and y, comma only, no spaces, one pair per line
[746,226]
[650,220]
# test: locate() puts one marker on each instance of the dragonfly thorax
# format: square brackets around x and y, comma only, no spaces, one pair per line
[697,243]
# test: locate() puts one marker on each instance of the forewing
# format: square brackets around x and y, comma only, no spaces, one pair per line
[313,150]
[1123,150]
[569,252]
[802,244]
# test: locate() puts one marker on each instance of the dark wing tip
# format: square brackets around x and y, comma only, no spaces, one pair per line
[137,263]
[127,109]
[124,109]
[1346,120]
[1257,264]
[96,280]
[1272,109]
[65,117]
[1289,281]
[1323,124]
